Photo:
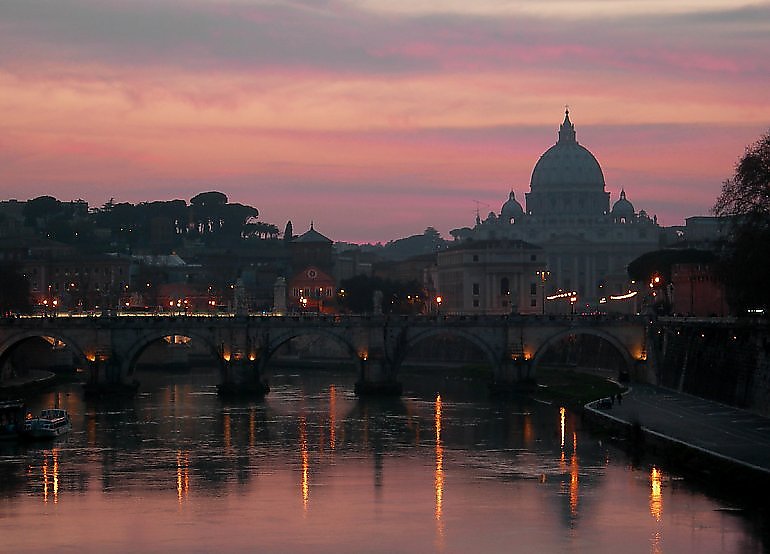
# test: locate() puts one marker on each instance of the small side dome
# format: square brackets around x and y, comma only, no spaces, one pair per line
[511,210]
[623,210]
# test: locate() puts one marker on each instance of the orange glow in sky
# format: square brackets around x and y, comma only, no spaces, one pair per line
[395,115]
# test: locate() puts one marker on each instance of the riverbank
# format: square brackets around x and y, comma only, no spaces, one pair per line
[575,388]
[24,385]
[718,444]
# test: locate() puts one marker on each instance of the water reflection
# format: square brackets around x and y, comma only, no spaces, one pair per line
[573,469]
[226,431]
[374,463]
[332,416]
[50,471]
[252,426]
[439,473]
[574,480]
[656,509]
[303,447]
[656,499]
[182,475]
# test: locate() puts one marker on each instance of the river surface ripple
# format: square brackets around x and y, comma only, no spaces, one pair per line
[313,469]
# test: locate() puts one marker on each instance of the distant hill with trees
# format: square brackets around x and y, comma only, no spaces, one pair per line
[161,226]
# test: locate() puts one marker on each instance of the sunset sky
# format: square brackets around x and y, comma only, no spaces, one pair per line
[376,118]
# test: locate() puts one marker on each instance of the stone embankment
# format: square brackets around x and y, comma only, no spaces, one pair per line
[723,444]
[722,359]
[22,385]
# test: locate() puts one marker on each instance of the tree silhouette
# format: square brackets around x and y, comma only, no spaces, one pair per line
[206,210]
[397,297]
[14,291]
[745,203]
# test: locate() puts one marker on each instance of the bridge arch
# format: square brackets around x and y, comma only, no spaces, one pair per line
[618,345]
[494,357]
[146,339]
[8,345]
[338,335]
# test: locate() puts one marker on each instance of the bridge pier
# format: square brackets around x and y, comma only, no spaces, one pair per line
[377,378]
[107,378]
[513,376]
[242,377]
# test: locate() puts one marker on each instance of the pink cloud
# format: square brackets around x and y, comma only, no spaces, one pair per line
[396,122]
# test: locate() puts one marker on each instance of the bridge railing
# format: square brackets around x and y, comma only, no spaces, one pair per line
[155,319]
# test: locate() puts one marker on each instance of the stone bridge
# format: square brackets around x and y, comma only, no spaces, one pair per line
[108,347]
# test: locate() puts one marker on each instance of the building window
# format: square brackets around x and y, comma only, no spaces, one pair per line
[533,257]
[476,289]
[533,302]
[505,286]
[475,257]
[475,302]
[533,288]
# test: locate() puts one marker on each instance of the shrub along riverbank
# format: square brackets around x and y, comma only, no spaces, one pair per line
[574,387]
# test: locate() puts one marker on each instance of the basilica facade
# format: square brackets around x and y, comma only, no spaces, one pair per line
[586,241]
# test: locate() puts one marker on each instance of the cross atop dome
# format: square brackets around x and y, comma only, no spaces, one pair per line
[567,129]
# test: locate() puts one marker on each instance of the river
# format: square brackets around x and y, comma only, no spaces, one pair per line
[313,469]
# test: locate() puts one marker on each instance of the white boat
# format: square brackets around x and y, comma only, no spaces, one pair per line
[51,423]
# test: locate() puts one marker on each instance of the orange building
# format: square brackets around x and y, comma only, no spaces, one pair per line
[697,291]
[312,290]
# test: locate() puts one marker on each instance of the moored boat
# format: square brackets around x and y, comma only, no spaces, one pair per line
[51,423]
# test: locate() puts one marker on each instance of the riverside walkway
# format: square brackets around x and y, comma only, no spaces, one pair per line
[722,433]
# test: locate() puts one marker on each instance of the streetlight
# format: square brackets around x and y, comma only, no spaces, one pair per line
[439,300]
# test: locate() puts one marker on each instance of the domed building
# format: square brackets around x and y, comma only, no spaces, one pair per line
[623,210]
[511,210]
[567,181]
[586,245]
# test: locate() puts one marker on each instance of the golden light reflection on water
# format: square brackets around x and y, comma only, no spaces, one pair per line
[439,473]
[656,509]
[182,475]
[51,476]
[656,498]
[574,472]
[574,466]
[305,483]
